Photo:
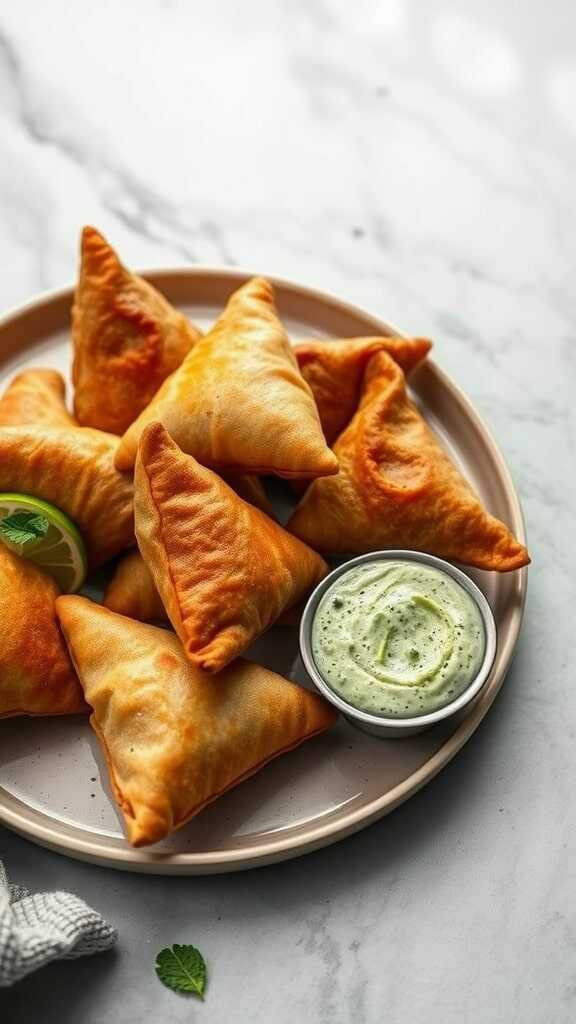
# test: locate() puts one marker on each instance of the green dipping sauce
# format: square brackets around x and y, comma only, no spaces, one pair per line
[397,639]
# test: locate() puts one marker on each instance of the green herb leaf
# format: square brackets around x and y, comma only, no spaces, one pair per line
[22,527]
[182,968]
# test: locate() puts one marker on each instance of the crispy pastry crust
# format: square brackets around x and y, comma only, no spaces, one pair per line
[174,738]
[224,570]
[334,371]
[127,339]
[397,488]
[239,401]
[132,590]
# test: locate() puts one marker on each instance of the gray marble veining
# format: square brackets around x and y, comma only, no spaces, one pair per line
[418,159]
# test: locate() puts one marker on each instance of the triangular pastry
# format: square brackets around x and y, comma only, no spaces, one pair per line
[397,488]
[132,590]
[174,738]
[127,339]
[238,401]
[334,370]
[225,571]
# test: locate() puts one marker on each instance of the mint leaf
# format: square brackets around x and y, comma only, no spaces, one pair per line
[22,527]
[182,969]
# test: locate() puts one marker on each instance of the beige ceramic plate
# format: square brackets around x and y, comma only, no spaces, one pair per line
[53,786]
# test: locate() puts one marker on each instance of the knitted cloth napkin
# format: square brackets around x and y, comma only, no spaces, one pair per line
[47,926]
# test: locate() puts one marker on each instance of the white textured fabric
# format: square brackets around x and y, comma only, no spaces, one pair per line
[47,926]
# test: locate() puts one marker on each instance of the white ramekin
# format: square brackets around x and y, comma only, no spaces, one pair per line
[399,727]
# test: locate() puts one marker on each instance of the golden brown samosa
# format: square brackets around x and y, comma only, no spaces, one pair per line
[127,339]
[36,396]
[239,401]
[397,488]
[224,570]
[174,738]
[334,370]
[74,470]
[132,590]
[36,674]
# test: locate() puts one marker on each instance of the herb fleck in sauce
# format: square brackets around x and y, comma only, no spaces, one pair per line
[397,639]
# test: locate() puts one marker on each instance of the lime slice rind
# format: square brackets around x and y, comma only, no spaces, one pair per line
[60,552]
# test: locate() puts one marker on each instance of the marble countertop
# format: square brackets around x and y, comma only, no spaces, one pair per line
[418,159]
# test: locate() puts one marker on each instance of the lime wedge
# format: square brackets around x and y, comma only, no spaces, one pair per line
[46,536]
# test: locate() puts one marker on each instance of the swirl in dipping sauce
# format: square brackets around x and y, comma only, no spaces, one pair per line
[397,639]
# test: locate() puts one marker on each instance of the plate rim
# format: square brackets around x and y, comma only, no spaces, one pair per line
[37,826]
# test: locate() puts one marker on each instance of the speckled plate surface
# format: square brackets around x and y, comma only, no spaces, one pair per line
[53,784]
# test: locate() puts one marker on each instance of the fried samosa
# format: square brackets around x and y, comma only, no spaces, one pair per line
[334,370]
[239,401]
[36,674]
[127,339]
[74,470]
[132,590]
[224,570]
[174,738]
[397,488]
[36,396]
